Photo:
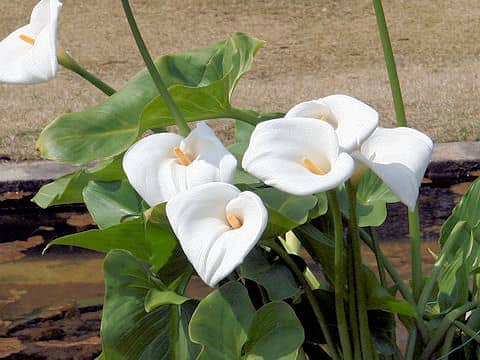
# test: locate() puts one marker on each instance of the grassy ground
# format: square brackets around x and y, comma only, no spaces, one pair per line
[314,48]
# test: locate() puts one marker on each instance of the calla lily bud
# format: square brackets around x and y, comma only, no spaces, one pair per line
[217,226]
[353,120]
[162,165]
[29,54]
[399,157]
[299,156]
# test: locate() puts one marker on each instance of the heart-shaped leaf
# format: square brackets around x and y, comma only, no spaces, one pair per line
[201,82]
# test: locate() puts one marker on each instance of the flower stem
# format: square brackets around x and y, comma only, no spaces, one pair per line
[280,251]
[340,276]
[352,306]
[390,62]
[416,252]
[365,337]
[251,117]
[413,217]
[152,69]
[68,62]
[378,258]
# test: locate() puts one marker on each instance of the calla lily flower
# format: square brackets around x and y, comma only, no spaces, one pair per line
[299,156]
[29,54]
[399,157]
[162,165]
[217,226]
[353,120]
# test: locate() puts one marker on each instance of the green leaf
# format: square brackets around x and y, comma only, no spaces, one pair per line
[465,210]
[378,298]
[275,277]
[152,244]
[68,188]
[275,333]
[109,203]
[198,80]
[241,176]
[373,195]
[128,331]
[285,211]
[453,284]
[156,298]
[221,322]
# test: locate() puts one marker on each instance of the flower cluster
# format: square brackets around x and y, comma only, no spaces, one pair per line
[302,155]
[317,146]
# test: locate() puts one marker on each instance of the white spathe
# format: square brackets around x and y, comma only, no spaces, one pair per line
[399,156]
[279,149]
[353,120]
[157,174]
[32,60]
[199,220]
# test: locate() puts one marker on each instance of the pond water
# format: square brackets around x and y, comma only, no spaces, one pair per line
[51,304]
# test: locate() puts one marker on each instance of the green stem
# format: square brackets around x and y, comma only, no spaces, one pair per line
[352,306]
[412,341]
[280,251]
[68,62]
[365,337]
[443,328]
[152,69]
[390,62]
[416,252]
[340,276]
[447,342]
[378,258]
[249,116]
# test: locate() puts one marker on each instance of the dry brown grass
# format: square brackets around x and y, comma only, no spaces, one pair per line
[314,48]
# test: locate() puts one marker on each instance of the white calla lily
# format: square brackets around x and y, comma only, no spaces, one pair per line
[162,165]
[399,157]
[299,156]
[217,226]
[29,54]
[353,120]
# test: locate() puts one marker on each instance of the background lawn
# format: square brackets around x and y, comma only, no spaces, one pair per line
[314,48]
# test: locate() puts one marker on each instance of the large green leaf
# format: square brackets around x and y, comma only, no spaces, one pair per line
[128,331]
[275,277]
[151,243]
[109,203]
[226,325]
[68,188]
[275,333]
[378,298]
[221,322]
[201,82]
[373,195]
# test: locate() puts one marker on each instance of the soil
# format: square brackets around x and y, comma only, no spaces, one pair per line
[313,49]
